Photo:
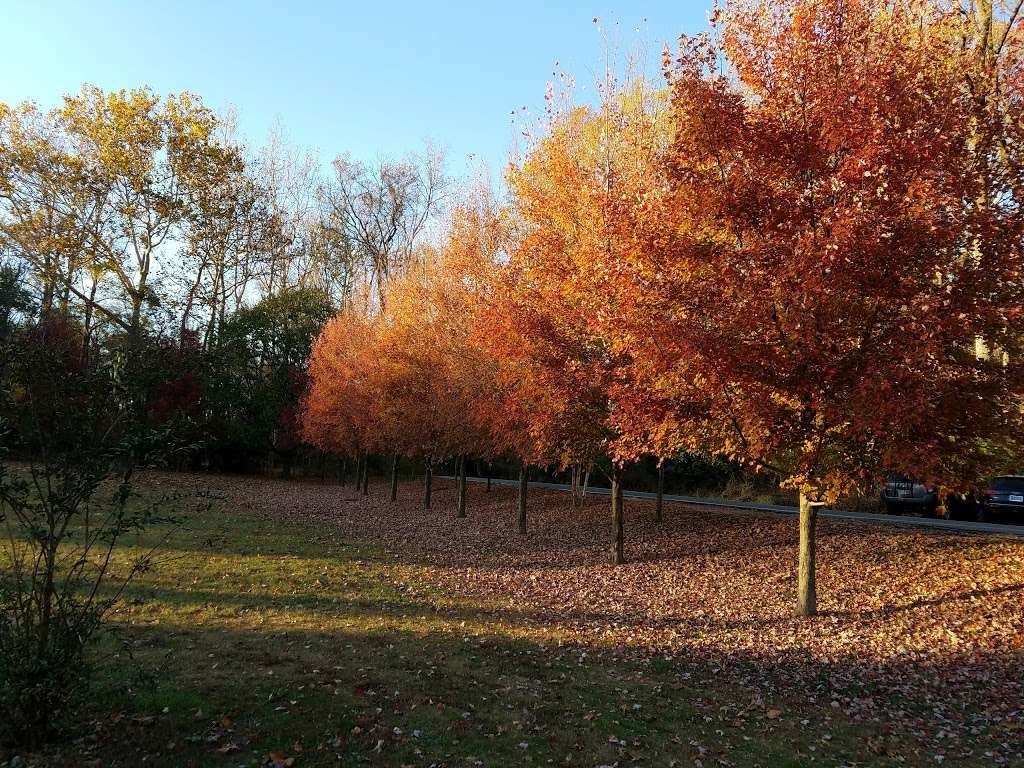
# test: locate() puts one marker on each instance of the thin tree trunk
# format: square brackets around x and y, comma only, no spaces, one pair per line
[46,302]
[807,596]
[394,477]
[65,294]
[428,482]
[87,336]
[618,518]
[366,473]
[135,323]
[487,474]
[462,485]
[342,469]
[222,309]
[213,331]
[190,298]
[661,492]
[46,608]
[524,484]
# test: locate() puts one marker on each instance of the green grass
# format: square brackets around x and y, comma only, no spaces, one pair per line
[265,637]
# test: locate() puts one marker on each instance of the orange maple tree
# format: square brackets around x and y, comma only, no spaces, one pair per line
[840,244]
[405,379]
[338,410]
[804,255]
[553,307]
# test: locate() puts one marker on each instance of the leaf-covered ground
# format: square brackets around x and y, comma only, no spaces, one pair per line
[305,624]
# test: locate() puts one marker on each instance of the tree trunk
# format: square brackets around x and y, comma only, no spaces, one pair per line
[87,335]
[807,596]
[342,469]
[462,486]
[211,326]
[46,604]
[428,482]
[487,474]
[394,477]
[524,483]
[190,298]
[135,324]
[366,473]
[49,287]
[618,518]
[661,492]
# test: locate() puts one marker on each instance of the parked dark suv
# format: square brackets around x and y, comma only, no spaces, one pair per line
[901,494]
[1003,500]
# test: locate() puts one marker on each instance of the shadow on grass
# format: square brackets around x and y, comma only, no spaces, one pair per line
[355,665]
[368,602]
[388,696]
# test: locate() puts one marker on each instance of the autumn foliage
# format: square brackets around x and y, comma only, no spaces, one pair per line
[403,377]
[803,254]
[835,248]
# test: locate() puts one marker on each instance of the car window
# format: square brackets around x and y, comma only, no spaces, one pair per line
[1008,484]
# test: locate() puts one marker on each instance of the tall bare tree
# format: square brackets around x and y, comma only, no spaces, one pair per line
[385,208]
[291,177]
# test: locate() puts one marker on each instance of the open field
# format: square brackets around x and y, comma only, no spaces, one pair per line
[304,624]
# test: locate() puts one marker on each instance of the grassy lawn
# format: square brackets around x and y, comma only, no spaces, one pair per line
[282,639]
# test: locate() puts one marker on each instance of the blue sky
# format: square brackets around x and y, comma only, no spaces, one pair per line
[373,78]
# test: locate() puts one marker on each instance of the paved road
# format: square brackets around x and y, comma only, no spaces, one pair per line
[865,517]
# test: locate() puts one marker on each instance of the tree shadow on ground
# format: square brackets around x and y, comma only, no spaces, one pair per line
[914,695]
[377,696]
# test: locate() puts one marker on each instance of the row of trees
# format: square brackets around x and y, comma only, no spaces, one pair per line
[803,253]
